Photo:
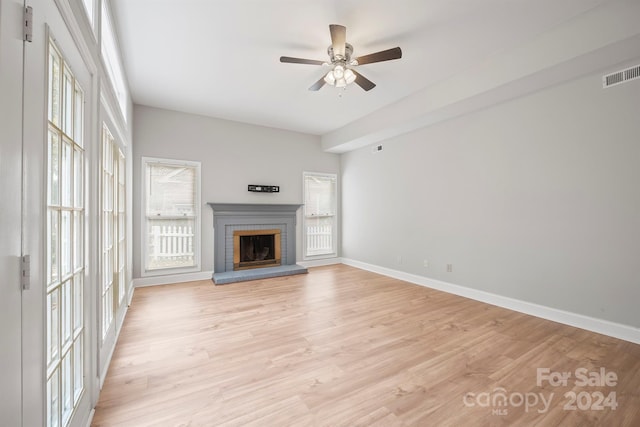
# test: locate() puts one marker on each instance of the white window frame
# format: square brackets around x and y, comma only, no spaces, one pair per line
[143,221]
[110,52]
[90,9]
[334,248]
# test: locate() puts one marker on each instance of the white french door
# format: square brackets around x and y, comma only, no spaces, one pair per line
[11,49]
[58,368]
[113,239]
[65,231]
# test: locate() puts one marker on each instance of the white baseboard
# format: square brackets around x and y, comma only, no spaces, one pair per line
[320,262]
[605,327]
[173,278]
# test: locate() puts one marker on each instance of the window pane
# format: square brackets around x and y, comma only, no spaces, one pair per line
[121,282]
[78,117]
[52,330]
[54,168]
[66,184]
[171,243]
[108,271]
[65,244]
[77,368]
[65,311]
[67,398]
[88,7]
[319,235]
[67,110]
[78,240]
[77,302]
[319,196]
[78,175]
[54,87]
[171,190]
[53,267]
[53,413]
[107,310]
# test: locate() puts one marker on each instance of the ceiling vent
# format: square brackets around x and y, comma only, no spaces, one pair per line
[620,77]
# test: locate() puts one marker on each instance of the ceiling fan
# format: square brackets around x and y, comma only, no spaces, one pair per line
[342,72]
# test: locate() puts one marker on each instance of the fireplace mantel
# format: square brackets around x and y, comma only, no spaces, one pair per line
[230,217]
[226,209]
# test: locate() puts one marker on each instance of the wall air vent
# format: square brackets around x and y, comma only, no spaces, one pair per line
[620,77]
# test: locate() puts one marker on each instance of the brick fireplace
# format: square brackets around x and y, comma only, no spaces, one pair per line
[254,241]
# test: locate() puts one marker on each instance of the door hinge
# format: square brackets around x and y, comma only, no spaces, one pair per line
[28,24]
[25,268]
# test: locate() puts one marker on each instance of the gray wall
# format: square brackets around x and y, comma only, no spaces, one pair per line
[535,199]
[233,155]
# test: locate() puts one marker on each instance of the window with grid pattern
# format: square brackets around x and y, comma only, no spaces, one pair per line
[171,215]
[65,236]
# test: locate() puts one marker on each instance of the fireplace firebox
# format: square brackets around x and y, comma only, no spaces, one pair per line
[256,249]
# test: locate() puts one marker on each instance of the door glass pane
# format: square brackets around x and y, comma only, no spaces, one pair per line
[65,312]
[78,117]
[78,240]
[67,390]
[54,168]
[53,412]
[77,368]
[66,173]
[53,240]
[65,244]
[67,110]
[78,178]
[53,305]
[77,303]
[54,87]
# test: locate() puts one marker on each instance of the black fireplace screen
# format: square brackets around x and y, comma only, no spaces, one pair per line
[257,248]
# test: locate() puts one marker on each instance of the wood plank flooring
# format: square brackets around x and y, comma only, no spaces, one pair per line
[345,347]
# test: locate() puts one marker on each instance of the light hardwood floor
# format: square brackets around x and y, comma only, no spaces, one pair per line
[345,347]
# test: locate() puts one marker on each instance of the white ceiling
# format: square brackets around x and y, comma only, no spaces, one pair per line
[221,58]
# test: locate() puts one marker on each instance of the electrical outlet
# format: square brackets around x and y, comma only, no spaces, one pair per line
[449,268]
[425,263]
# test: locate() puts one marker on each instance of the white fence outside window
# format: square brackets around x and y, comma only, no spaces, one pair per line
[319,239]
[171,243]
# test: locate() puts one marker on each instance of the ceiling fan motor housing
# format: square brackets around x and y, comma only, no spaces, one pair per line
[348,50]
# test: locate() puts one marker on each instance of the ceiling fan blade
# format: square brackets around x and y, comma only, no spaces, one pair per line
[383,55]
[338,39]
[317,85]
[363,82]
[300,60]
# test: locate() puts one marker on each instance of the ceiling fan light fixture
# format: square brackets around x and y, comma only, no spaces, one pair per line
[340,76]
[349,76]
[329,78]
